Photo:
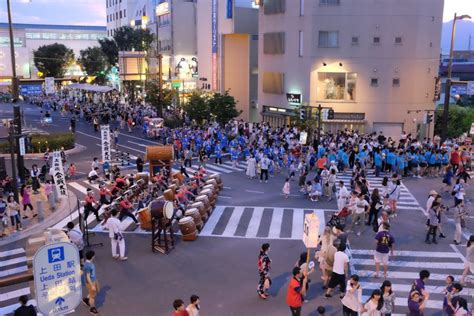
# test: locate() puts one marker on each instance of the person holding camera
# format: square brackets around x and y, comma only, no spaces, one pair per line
[352,301]
[296,291]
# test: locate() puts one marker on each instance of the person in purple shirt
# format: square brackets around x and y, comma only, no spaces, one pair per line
[385,243]
[419,284]
[417,303]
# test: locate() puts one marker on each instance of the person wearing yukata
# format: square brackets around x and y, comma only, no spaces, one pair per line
[218,153]
[264,267]
[234,155]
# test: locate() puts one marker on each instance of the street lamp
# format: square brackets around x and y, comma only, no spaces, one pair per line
[444,130]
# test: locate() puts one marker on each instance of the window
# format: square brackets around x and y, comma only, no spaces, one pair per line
[355,40]
[274,43]
[116,15]
[32,35]
[329,2]
[300,46]
[107,18]
[328,39]
[398,40]
[376,40]
[273,82]
[49,36]
[124,13]
[301,7]
[164,19]
[374,82]
[120,14]
[396,82]
[337,86]
[273,6]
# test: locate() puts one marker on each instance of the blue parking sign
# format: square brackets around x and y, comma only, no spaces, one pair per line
[55,254]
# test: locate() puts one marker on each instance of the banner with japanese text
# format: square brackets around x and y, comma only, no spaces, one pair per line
[105,137]
[58,175]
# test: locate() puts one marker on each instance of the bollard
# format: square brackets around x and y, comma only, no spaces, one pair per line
[122,158]
[40,210]
[128,158]
[117,156]
[52,201]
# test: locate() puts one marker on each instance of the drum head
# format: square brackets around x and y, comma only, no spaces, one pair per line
[185,220]
[168,210]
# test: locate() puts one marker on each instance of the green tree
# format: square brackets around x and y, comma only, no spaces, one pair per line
[93,61]
[222,107]
[53,60]
[460,120]
[153,96]
[128,38]
[110,50]
[197,108]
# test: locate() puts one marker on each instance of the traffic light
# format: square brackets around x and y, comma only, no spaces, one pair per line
[302,114]
[429,118]
[331,114]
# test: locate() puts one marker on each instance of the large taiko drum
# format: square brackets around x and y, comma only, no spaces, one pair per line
[215,190]
[194,213]
[144,217]
[210,194]
[201,209]
[188,228]
[212,182]
[204,200]
[176,183]
[143,176]
[162,210]
[173,188]
[141,183]
[169,195]
[217,177]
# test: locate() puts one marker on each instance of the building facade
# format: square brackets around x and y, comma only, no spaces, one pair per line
[227,47]
[119,13]
[29,37]
[374,63]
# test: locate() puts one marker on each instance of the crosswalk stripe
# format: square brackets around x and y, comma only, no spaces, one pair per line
[275,225]
[216,168]
[14,294]
[13,261]
[254,223]
[12,271]
[404,275]
[406,288]
[10,309]
[78,187]
[402,301]
[297,224]
[11,252]
[212,221]
[410,253]
[234,220]
[412,264]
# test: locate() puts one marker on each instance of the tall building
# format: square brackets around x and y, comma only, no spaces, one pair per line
[29,37]
[227,51]
[119,13]
[372,62]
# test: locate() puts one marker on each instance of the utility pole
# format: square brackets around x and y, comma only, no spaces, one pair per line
[319,123]
[160,85]
[11,139]
[18,130]
[15,92]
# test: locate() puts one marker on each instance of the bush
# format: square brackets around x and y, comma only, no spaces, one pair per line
[39,143]
[173,122]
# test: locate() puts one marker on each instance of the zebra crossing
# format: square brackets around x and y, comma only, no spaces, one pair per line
[13,262]
[404,267]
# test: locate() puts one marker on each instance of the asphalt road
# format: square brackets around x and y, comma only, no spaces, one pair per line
[221,266]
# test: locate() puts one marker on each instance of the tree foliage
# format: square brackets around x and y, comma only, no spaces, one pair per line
[197,108]
[93,61]
[153,96]
[128,38]
[53,60]
[222,107]
[110,50]
[460,119]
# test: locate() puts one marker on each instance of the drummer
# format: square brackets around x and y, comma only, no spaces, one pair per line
[121,182]
[91,205]
[114,189]
[126,210]
[103,193]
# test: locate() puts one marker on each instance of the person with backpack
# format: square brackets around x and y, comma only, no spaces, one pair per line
[264,267]
[385,243]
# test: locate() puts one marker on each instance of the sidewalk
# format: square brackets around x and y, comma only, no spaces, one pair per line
[32,225]
[77,149]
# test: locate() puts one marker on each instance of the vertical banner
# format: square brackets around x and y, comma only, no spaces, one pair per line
[105,136]
[49,85]
[230,9]
[214,43]
[58,175]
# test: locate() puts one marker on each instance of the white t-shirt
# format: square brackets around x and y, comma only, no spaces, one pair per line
[340,259]
[360,205]
[114,226]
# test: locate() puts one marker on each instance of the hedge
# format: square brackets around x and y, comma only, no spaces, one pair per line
[40,142]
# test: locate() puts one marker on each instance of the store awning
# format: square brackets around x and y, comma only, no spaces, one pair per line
[90,87]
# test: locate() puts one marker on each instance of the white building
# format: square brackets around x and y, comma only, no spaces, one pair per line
[118,14]
[371,61]
[29,37]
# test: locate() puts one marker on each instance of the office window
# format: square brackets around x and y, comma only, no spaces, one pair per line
[328,39]
[50,36]
[273,82]
[376,40]
[329,2]
[33,35]
[107,18]
[301,7]
[300,46]
[120,13]
[374,82]
[398,40]
[337,86]
[274,43]
[273,6]
[396,82]
[116,15]
[124,13]
[164,19]
[355,40]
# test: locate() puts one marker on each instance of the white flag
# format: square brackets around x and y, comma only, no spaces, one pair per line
[58,175]
[105,136]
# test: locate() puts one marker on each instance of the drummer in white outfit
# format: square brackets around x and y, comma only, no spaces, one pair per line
[342,196]
[116,236]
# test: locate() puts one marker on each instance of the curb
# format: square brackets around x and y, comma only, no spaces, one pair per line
[77,149]
[63,209]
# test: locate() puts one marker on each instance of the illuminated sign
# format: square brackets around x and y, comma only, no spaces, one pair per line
[162,8]
[230,7]
[214,43]
[293,98]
